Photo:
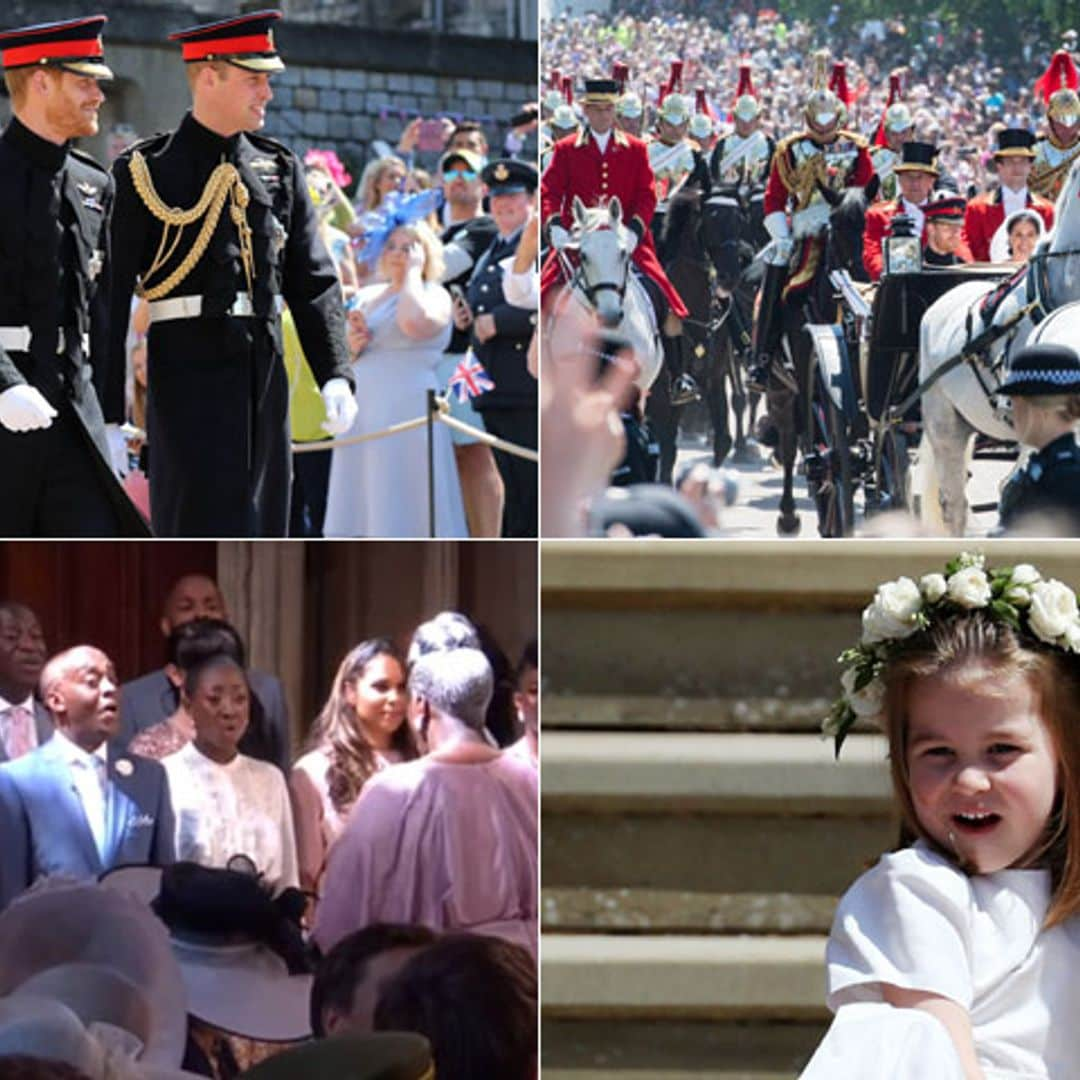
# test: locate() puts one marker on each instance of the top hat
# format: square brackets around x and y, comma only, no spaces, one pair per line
[1043,369]
[917,157]
[1015,142]
[600,92]
[245,40]
[73,45]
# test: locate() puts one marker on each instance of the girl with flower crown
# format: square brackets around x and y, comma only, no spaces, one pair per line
[955,956]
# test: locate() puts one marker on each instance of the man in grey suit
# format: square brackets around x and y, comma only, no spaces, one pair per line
[82,806]
[24,722]
[151,698]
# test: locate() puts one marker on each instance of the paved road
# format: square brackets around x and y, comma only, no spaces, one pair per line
[761,482]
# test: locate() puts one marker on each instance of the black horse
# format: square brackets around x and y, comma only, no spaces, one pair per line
[789,411]
[703,250]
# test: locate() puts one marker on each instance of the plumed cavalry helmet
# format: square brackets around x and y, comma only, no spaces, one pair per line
[701,125]
[823,107]
[746,103]
[564,119]
[1058,87]
[553,95]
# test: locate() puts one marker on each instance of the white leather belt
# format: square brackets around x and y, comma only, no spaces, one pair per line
[18,338]
[190,307]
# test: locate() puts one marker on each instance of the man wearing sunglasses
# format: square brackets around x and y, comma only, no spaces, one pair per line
[469,232]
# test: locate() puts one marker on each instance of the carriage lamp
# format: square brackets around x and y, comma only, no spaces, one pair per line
[903,247]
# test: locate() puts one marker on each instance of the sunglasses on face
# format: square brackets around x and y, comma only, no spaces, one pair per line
[458,174]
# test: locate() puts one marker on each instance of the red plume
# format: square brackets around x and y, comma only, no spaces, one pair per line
[838,83]
[745,86]
[895,90]
[568,89]
[675,78]
[620,72]
[555,82]
[701,104]
[1060,74]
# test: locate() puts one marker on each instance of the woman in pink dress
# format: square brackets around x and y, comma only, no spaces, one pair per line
[360,730]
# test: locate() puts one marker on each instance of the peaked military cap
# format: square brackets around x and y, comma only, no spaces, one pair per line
[73,45]
[508,176]
[245,40]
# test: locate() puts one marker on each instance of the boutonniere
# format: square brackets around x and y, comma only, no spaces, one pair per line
[124,766]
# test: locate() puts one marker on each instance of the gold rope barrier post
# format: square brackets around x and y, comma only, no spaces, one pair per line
[432,409]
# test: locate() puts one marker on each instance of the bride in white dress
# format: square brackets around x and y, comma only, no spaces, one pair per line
[380,488]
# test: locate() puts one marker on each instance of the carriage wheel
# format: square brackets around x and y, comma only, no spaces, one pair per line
[828,463]
[893,464]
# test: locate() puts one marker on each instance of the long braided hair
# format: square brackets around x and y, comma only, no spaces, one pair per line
[339,730]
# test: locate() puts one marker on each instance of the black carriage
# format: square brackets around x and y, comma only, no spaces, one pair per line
[863,419]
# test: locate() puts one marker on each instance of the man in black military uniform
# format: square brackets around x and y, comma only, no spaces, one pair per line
[1043,498]
[500,339]
[56,474]
[241,237]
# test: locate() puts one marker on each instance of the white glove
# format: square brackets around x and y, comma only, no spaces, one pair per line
[24,408]
[118,450]
[559,237]
[340,405]
[776,224]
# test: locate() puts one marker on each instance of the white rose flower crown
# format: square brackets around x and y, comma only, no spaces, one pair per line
[1018,595]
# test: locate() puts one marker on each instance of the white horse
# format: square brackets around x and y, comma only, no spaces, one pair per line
[603,283]
[958,404]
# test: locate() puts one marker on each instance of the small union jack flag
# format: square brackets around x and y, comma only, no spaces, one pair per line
[469,379]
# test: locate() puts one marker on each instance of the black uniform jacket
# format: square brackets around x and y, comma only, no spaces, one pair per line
[1046,491]
[54,273]
[503,355]
[217,415]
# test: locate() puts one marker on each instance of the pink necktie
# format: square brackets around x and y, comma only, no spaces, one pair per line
[18,731]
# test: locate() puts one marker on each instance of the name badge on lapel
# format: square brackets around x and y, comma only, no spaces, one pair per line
[90,195]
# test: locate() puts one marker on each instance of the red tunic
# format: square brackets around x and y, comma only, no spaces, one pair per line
[984,216]
[578,168]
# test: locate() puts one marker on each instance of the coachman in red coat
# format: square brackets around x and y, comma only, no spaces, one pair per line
[985,213]
[577,167]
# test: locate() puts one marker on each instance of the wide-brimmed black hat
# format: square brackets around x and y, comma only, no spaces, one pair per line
[917,157]
[1015,142]
[508,176]
[1043,369]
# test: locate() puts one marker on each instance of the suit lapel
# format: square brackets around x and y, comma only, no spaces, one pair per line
[43,723]
[54,762]
[122,801]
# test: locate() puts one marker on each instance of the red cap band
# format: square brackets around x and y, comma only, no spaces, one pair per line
[53,50]
[237,46]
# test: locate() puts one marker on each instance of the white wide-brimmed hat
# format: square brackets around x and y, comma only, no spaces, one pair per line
[101,954]
[242,987]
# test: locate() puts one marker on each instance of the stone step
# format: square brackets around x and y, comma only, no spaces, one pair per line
[699,977]
[674,911]
[646,712]
[675,1050]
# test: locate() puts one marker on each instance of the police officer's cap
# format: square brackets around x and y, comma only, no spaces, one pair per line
[1043,369]
[73,45]
[508,176]
[245,40]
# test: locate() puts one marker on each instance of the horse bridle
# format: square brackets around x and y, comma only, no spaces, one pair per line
[577,279]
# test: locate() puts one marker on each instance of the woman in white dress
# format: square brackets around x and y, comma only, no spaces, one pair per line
[954,958]
[402,326]
[226,804]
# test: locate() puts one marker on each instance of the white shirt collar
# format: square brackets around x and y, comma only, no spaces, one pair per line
[28,704]
[74,752]
[601,140]
[1013,200]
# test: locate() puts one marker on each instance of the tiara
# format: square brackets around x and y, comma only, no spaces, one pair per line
[1018,595]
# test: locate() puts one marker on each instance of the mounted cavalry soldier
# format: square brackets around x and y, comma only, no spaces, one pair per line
[564,122]
[1013,159]
[823,157]
[896,128]
[1059,147]
[56,389]
[603,162]
[629,110]
[214,226]
[671,154]
[742,158]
